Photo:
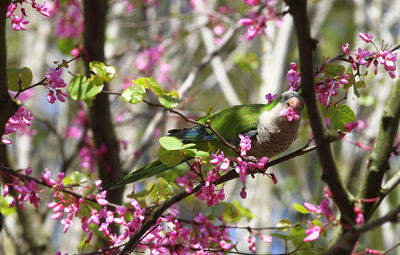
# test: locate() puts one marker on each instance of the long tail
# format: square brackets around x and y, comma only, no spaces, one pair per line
[147,171]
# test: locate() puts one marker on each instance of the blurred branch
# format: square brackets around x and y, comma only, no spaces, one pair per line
[7,106]
[378,162]
[100,114]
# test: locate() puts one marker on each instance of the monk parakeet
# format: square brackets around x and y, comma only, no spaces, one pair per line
[272,128]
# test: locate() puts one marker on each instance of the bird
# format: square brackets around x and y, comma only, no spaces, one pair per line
[270,131]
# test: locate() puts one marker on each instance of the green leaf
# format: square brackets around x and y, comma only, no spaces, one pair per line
[300,208]
[242,210]
[340,116]
[284,225]
[332,70]
[81,88]
[134,95]
[297,235]
[170,143]
[17,77]
[282,236]
[149,83]
[164,189]
[105,72]
[170,157]
[169,100]
[65,45]
[5,205]
[75,178]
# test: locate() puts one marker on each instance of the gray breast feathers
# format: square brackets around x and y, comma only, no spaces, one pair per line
[275,133]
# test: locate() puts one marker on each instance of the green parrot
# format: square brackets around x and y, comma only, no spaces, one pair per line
[270,131]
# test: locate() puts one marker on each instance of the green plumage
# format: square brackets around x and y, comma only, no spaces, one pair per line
[229,123]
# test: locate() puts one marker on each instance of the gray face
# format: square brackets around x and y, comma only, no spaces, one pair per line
[289,94]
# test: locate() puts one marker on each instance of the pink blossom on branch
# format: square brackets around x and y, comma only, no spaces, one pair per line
[313,232]
[293,77]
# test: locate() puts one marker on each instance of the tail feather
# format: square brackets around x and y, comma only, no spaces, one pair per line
[147,171]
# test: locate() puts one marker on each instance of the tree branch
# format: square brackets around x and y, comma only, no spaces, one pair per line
[306,45]
[378,162]
[100,116]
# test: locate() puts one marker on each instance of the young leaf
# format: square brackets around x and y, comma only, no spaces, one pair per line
[170,157]
[65,45]
[134,95]
[81,88]
[300,208]
[170,143]
[105,72]
[165,189]
[339,117]
[169,100]
[283,225]
[149,83]
[75,178]
[17,77]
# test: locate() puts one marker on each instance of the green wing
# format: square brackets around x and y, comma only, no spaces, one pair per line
[229,123]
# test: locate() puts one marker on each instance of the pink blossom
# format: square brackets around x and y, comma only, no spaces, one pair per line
[243,193]
[359,215]
[326,89]
[312,233]
[219,29]
[69,24]
[101,198]
[54,78]
[185,182]
[293,77]
[365,37]
[271,97]
[266,239]
[245,145]
[251,241]
[255,24]
[290,114]
[18,23]
[346,49]
[147,59]
[251,2]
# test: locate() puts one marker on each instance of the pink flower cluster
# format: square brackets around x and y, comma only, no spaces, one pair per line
[293,77]
[363,57]
[327,85]
[54,83]
[323,209]
[256,22]
[208,191]
[18,22]
[20,122]
[290,114]
[69,21]
[146,60]
[26,189]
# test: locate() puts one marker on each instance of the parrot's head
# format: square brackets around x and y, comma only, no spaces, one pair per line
[292,99]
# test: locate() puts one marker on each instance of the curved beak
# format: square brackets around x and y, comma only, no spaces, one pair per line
[294,102]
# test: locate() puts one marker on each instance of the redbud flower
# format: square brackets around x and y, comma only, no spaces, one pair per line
[346,49]
[290,114]
[243,193]
[365,37]
[293,77]
[312,233]
[251,241]
[251,2]
[270,97]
